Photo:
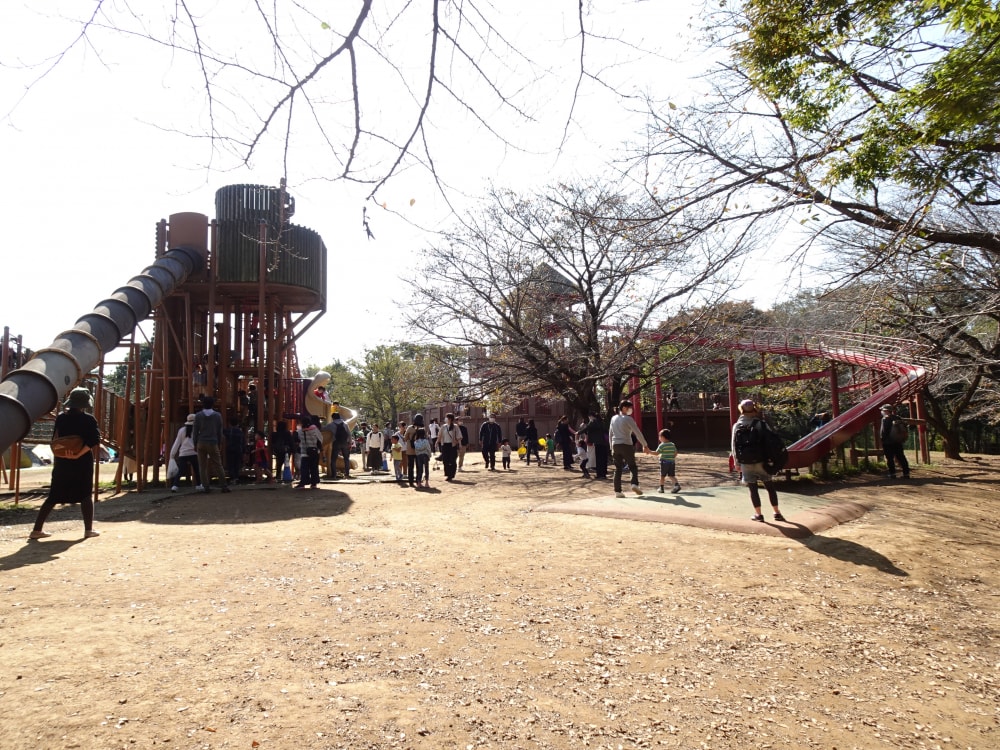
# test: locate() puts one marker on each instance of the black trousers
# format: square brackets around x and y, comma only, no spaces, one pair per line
[490,457]
[601,461]
[449,457]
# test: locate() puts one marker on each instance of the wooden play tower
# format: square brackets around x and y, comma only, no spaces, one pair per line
[229,329]
[229,299]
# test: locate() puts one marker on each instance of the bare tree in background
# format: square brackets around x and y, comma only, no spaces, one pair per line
[554,298]
[383,86]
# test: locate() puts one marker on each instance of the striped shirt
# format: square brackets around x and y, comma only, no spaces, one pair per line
[667,451]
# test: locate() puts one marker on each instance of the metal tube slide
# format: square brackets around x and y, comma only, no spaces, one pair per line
[34,390]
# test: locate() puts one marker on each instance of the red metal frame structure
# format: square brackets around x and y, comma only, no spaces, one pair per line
[898,370]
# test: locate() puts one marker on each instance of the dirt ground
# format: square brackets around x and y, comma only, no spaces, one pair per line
[375,616]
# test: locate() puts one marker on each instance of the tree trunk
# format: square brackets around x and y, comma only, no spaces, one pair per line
[949,426]
[952,439]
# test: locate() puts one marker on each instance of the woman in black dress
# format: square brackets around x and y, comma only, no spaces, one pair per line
[73,478]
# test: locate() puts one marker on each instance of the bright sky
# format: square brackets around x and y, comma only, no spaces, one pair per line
[92,159]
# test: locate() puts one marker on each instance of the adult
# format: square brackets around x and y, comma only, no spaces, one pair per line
[73,476]
[433,433]
[463,444]
[597,436]
[620,434]
[234,456]
[449,438]
[531,443]
[751,457]
[375,443]
[564,439]
[310,440]
[521,431]
[411,453]
[340,444]
[673,404]
[490,437]
[207,436]
[281,447]
[185,456]
[893,433]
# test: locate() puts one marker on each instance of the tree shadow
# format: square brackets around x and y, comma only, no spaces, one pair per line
[852,552]
[36,552]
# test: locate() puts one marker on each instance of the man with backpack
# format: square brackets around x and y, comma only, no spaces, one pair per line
[751,438]
[340,444]
[894,433]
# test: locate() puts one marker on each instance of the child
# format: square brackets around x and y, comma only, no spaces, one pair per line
[581,454]
[422,446]
[397,457]
[668,460]
[505,454]
[261,461]
[550,448]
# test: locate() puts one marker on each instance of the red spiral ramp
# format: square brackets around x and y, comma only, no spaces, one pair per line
[900,368]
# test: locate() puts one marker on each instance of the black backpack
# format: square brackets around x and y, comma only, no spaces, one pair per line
[757,443]
[748,443]
[898,431]
[775,452]
[341,433]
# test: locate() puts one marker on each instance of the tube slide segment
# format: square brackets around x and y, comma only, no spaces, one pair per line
[32,391]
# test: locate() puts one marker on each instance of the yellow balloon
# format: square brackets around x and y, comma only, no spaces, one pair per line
[541,442]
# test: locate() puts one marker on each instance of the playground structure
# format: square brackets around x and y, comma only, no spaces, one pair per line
[229,298]
[885,370]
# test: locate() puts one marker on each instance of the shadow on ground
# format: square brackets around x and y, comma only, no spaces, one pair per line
[852,552]
[39,551]
[261,504]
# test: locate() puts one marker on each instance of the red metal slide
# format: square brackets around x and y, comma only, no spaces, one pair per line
[896,365]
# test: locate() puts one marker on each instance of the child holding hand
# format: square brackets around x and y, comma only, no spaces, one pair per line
[668,460]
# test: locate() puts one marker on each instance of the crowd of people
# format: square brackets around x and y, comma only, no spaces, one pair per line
[205,451]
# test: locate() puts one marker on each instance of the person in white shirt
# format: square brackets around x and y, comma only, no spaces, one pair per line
[623,427]
[375,444]
[433,430]
[449,439]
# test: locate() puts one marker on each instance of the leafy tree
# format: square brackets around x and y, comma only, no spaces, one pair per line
[555,298]
[950,303]
[117,380]
[873,113]
[875,124]
[399,378]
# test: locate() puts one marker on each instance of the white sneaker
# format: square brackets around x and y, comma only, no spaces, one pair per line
[200,488]
[677,488]
[636,490]
[619,494]
[174,488]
